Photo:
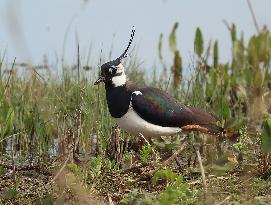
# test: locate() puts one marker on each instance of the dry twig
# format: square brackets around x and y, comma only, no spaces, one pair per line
[202,173]
[175,154]
[153,151]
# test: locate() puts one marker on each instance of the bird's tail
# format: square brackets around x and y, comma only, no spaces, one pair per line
[207,123]
[212,129]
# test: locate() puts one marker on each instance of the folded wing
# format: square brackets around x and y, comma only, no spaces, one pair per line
[157,107]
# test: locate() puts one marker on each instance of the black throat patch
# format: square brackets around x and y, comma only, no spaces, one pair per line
[118,100]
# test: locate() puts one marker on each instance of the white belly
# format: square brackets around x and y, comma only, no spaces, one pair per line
[132,123]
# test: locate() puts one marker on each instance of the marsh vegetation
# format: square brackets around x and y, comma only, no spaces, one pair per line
[59,144]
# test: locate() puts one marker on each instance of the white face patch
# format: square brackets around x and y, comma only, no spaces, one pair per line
[137,92]
[120,69]
[121,78]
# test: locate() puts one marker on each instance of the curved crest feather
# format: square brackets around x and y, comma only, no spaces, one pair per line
[124,55]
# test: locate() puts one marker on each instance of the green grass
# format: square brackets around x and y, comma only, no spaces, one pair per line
[39,112]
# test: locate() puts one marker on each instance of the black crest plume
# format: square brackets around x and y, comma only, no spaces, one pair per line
[124,55]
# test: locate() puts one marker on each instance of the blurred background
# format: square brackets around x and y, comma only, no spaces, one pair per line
[55,128]
[33,30]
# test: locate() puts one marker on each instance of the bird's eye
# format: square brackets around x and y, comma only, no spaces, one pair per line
[112,70]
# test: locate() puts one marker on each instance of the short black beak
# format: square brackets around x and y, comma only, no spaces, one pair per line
[100,79]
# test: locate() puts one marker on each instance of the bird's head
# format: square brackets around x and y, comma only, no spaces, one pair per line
[113,72]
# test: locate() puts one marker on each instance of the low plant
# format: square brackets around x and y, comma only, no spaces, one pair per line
[145,153]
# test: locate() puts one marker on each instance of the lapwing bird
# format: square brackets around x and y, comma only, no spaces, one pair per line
[140,109]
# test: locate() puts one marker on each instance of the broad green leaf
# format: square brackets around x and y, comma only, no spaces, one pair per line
[9,122]
[165,174]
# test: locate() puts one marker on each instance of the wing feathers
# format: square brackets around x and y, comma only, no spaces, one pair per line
[159,108]
[204,122]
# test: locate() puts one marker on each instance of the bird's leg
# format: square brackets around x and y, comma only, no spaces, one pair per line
[196,148]
[148,143]
[115,143]
[142,136]
[177,152]
[116,139]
